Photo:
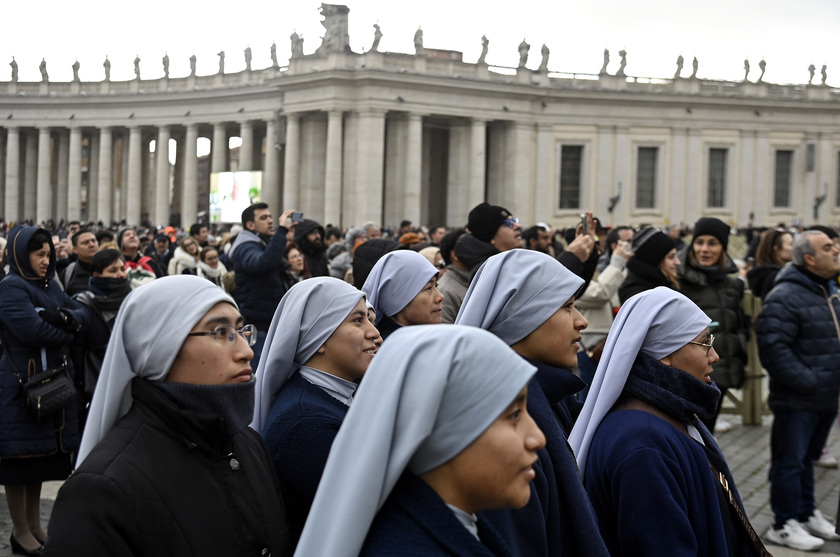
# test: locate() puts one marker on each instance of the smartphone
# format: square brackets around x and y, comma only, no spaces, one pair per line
[297,216]
[585,223]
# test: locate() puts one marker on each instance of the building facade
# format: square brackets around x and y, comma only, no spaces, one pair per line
[348,138]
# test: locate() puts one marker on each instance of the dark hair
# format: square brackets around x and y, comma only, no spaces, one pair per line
[614,236]
[104,235]
[38,239]
[248,213]
[75,239]
[532,233]
[202,255]
[331,231]
[766,254]
[289,247]
[104,259]
[196,228]
[447,244]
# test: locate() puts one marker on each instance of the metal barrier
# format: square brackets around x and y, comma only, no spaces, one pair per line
[750,402]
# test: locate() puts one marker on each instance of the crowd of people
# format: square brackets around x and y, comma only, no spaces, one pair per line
[280,387]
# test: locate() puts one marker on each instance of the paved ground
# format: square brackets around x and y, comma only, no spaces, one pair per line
[746,449]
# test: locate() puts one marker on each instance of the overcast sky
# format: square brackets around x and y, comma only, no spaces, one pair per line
[721,33]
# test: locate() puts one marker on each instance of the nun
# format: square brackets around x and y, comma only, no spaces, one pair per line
[318,347]
[402,287]
[169,465]
[439,431]
[656,477]
[526,298]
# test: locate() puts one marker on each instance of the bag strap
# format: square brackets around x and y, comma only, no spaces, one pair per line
[743,522]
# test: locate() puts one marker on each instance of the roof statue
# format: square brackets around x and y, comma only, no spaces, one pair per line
[811,71]
[622,64]
[297,44]
[418,42]
[45,78]
[523,53]
[544,62]
[746,68]
[221,56]
[165,65]
[694,65]
[76,71]
[248,58]
[377,36]
[606,62]
[824,74]
[680,61]
[485,42]
[107,65]
[762,66]
[337,37]
[192,65]
[137,67]
[14,66]
[274,63]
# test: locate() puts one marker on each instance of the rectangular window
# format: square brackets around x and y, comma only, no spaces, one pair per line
[646,177]
[717,178]
[781,184]
[571,163]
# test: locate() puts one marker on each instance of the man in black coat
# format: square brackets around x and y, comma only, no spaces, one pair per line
[799,345]
[309,236]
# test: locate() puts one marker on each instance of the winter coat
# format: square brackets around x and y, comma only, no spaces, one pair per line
[315,256]
[23,334]
[180,262]
[798,343]
[641,277]
[260,275]
[719,296]
[761,279]
[453,285]
[166,481]
[558,519]
[415,522]
[299,432]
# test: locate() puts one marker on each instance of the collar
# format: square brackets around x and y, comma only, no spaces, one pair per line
[557,383]
[338,388]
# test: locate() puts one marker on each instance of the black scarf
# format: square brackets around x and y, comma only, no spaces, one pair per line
[234,404]
[673,391]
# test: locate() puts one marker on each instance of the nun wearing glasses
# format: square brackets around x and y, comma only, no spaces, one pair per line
[402,288]
[439,430]
[655,475]
[526,298]
[168,464]
[318,348]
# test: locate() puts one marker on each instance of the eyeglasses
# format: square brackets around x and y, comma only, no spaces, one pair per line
[706,345]
[225,335]
[510,222]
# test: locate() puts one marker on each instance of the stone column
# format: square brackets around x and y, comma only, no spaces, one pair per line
[189,188]
[93,175]
[12,199]
[271,175]
[62,178]
[74,176]
[478,160]
[30,170]
[606,185]
[413,169]
[161,212]
[246,151]
[291,175]
[332,178]
[371,151]
[104,197]
[135,173]
[219,148]
[542,211]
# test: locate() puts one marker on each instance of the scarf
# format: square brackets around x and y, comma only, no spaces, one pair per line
[234,404]
[673,391]
[210,271]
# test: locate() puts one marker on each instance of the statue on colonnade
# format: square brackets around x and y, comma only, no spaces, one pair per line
[45,78]
[221,56]
[418,42]
[694,64]
[622,64]
[76,71]
[137,67]
[166,65]
[14,66]
[680,61]
[377,36]
[762,66]
[337,37]
[544,63]
[107,65]
[297,45]
[746,68]
[274,63]
[812,69]
[606,62]
[192,65]
[523,53]
[824,73]
[485,42]
[248,58]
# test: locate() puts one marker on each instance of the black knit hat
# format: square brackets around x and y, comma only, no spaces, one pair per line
[710,226]
[485,220]
[651,245]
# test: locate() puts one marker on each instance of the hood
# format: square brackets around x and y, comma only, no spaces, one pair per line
[19,255]
[303,228]
[702,275]
[472,252]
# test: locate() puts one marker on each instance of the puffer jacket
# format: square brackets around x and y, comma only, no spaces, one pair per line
[260,275]
[798,343]
[719,296]
[24,333]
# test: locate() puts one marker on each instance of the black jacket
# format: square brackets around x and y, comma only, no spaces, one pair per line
[641,277]
[761,278]
[167,481]
[719,296]
[798,343]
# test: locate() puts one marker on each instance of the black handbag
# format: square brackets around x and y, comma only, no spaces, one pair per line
[48,392]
